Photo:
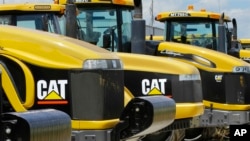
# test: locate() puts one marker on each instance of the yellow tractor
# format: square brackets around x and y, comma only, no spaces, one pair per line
[38,124]
[107,24]
[205,29]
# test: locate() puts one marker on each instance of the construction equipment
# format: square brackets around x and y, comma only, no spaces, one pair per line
[44,70]
[107,24]
[205,29]
[198,28]
[38,124]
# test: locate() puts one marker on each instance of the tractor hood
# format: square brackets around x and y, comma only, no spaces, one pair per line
[47,49]
[203,58]
[156,64]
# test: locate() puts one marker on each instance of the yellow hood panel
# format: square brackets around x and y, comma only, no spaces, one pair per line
[222,61]
[47,49]
[155,64]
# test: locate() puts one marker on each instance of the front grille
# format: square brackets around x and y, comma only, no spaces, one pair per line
[97,94]
[230,88]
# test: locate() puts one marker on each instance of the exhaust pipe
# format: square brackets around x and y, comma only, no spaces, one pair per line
[138,30]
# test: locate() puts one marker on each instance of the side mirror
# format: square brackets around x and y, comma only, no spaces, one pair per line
[106,40]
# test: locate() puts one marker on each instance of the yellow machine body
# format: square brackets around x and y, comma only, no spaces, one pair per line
[17,45]
[199,28]
[132,62]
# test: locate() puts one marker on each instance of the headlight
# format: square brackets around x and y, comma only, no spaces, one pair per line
[185,77]
[102,64]
[203,61]
[241,69]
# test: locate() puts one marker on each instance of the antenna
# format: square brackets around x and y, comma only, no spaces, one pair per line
[152,16]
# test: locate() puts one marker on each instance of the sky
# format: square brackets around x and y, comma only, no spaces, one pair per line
[238,9]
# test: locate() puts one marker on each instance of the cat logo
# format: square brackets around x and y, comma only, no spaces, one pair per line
[153,87]
[52,92]
[218,78]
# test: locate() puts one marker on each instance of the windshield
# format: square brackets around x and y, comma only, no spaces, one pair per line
[108,28]
[46,22]
[199,33]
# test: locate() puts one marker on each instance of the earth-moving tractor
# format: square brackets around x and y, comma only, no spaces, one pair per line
[44,70]
[35,124]
[207,29]
[107,24]
[204,29]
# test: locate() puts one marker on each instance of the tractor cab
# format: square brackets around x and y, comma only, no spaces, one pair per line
[45,17]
